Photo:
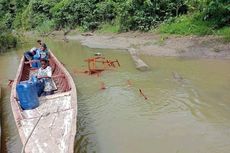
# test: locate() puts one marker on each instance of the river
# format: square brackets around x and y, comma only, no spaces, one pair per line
[187,108]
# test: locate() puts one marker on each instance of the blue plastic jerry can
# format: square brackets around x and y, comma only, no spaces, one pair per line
[27,95]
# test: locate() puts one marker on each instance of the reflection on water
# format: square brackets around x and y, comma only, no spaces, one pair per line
[187,109]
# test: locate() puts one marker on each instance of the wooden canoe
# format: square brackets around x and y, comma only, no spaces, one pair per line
[0,122]
[51,127]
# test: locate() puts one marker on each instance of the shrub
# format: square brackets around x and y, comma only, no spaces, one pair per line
[186,25]
[45,27]
[143,15]
[109,27]
[92,14]
[225,33]
[218,12]
[7,41]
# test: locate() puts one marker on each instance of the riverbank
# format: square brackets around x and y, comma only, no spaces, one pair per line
[153,44]
[158,45]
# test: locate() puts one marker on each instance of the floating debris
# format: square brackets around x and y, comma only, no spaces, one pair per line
[129,82]
[10,82]
[97,54]
[98,64]
[176,76]
[87,34]
[143,94]
[102,86]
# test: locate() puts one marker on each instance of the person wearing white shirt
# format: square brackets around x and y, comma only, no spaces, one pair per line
[45,73]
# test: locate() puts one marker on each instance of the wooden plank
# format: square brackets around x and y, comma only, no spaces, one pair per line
[49,106]
[51,134]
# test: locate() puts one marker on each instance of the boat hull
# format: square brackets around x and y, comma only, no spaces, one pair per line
[51,127]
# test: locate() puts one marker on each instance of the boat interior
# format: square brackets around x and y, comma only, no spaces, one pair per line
[57,75]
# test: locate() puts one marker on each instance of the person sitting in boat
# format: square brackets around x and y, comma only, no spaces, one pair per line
[29,54]
[44,74]
[39,43]
[44,53]
[32,57]
[34,52]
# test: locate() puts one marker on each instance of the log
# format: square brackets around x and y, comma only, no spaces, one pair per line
[87,34]
[140,65]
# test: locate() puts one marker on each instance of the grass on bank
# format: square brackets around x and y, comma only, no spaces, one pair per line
[192,25]
[225,33]
[109,28]
[79,29]
[45,27]
[186,25]
[103,28]
[182,25]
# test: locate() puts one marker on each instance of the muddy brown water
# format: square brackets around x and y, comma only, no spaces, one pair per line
[187,109]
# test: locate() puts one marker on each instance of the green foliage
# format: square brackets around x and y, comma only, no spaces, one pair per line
[225,33]
[7,40]
[8,20]
[86,13]
[141,15]
[193,25]
[186,25]
[109,28]
[36,13]
[93,14]
[218,12]
[105,11]
[205,16]
[73,13]
[45,27]
[4,6]
[80,29]
[196,5]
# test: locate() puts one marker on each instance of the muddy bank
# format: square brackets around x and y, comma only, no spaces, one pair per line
[158,45]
